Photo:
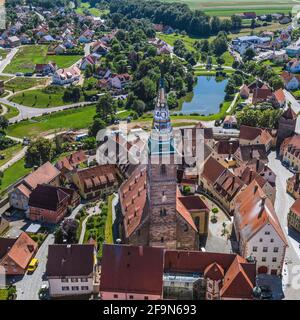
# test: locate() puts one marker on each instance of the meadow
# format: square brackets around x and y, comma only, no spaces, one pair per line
[79,118]
[28,56]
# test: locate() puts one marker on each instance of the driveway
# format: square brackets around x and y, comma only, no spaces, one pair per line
[28,287]
[282,204]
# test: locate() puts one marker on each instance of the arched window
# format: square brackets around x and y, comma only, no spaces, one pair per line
[163,169]
[163,212]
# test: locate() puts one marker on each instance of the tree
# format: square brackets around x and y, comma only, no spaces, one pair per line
[89,143]
[249,54]
[67,232]
[145,89]
[39,152]
[97,125]
[139,106]
[105,108]
[276,82]
[3,123]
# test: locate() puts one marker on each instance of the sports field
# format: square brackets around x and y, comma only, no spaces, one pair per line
[229,7]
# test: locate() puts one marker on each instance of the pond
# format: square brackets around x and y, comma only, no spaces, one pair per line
[206,97]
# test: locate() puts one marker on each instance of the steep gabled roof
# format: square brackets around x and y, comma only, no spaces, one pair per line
[254,211]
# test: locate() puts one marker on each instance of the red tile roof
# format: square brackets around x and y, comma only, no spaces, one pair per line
[22,250]
[132,269]
[254,211]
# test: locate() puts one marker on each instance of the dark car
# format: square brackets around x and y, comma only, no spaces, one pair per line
[28,74]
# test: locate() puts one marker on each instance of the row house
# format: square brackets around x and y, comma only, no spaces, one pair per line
[145,273]
[293,185]
[255,136]
[96,181]
[50,204]
[293,218]
[45,174]
[258,230]
[66,76]
[247,153]
[290,152]
[69,164]
[220,183]
[15,254]
[71,270]
[290,80]
[260,172]
[45,68]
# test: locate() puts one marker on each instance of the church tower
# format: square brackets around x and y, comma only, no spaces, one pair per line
[162,177]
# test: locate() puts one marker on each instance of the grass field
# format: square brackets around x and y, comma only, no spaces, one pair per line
[19,84]
[11,112]
[3,53]
[230,7]
[93,11]
[39,99]
[9,153]
[28,56]
[189,44]
[13,174]
[68,119]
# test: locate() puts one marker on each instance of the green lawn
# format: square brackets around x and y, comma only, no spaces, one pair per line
[3,53]
[28,56]
[13,174]
[79,118]
[40,99]
[276,68]
[93,11]
[5,78]
[9,153]
[11,112]
[19,84]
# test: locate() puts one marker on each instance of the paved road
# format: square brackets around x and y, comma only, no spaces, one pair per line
[14,159]
[29,112]
[282,204]
[8,58]
[28,287]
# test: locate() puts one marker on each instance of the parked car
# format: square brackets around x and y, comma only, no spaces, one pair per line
[33,265]
[28,74]
[19,74]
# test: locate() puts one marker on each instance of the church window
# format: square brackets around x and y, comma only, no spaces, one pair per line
[163,212]
[186,228]
[162,239]
[163,169]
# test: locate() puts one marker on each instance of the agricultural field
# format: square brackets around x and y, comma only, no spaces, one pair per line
[230,7]
[28,56]
[79,118]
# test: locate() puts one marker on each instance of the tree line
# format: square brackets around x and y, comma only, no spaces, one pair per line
[177,15]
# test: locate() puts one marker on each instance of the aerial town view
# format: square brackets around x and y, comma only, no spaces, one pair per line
[149,150]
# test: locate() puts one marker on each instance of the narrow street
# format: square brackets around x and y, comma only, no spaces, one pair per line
[28,287]
[282,204]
